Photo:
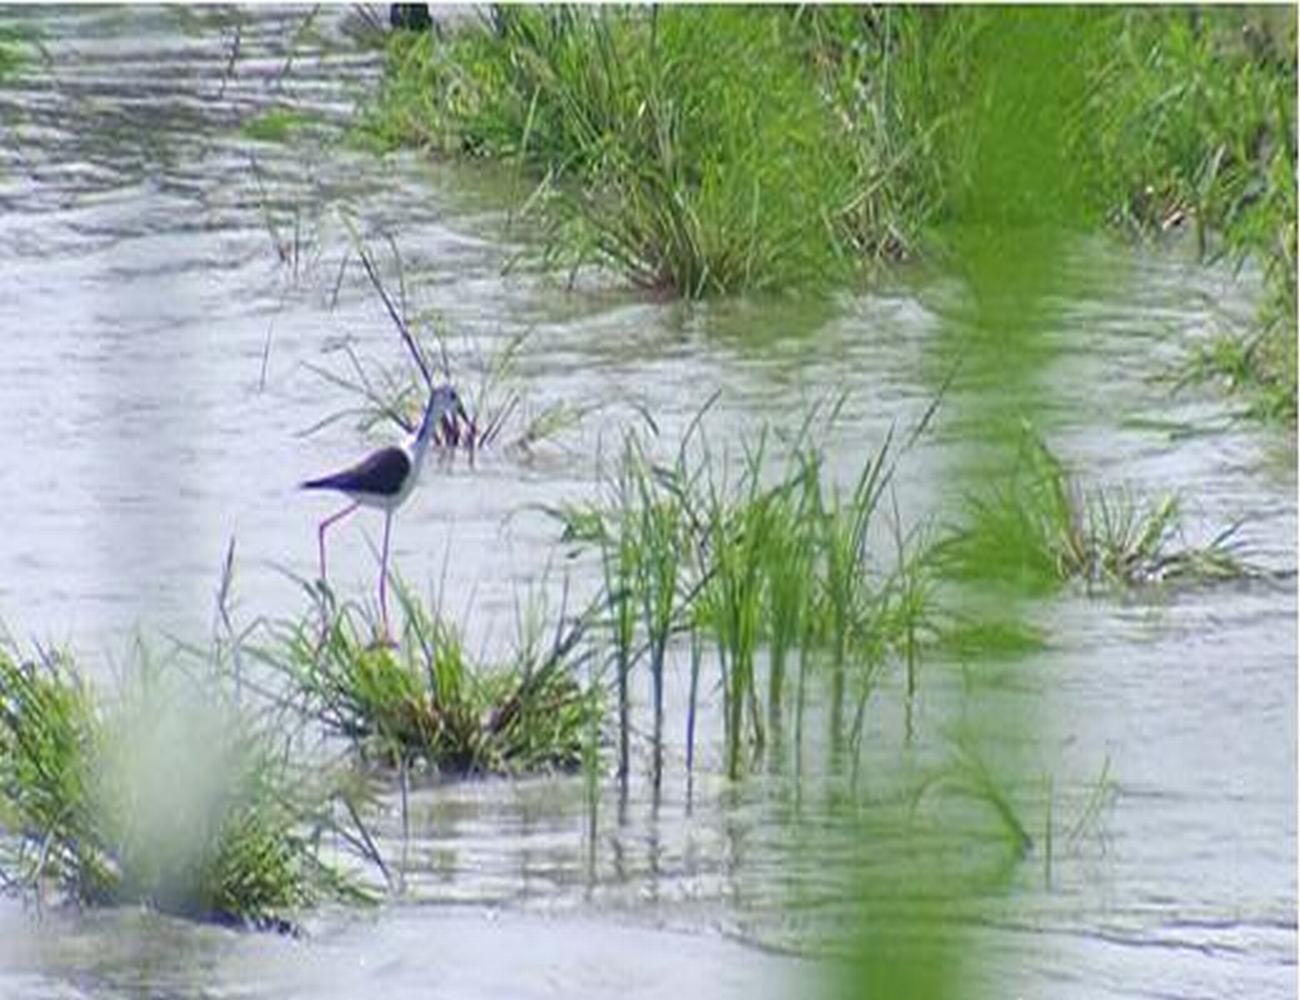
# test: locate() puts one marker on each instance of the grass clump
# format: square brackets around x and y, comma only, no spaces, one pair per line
[1260,363]
[751,561]
[714,150]
[274,125]
[499,413]
[422,701]
[16,45]
[688,148]
[1196,126]
[1042,528]
[157,798]
[11,58]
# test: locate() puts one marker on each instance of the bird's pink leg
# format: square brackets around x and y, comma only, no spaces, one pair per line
[320,533]
[383,574]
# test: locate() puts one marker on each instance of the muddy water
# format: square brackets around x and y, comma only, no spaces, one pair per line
[157,382]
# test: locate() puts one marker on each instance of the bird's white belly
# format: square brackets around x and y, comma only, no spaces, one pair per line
[386,501]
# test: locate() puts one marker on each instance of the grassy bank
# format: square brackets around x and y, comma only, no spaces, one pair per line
[1196,128]
[642,137]
[707,151]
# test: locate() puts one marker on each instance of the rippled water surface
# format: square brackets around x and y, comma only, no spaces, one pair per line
[157,380]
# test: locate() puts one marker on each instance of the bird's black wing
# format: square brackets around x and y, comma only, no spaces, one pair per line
[381,473]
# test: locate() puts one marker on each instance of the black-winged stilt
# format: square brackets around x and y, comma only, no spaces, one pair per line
[385,478]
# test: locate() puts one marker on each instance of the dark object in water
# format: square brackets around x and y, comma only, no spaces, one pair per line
[409,17]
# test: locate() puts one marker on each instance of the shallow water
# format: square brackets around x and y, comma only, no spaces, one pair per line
[155,393]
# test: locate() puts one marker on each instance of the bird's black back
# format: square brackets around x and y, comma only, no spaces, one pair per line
[381,473]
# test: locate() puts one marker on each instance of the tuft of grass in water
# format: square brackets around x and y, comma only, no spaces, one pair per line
[656,578]
[49,730]
[1041,528]
[1260,364]
[151,799]
[966,775]
[644,545]
[789,562]
[846,605]
[687,148]
[754,563]
[733,538]
[274,124]
[499,413]
[423,701]
[11,58]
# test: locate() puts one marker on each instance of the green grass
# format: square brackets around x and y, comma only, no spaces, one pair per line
[1261,365]
[1041,528]
[161,796]
[11,59]
[687,148]
[17,42]
[751,558]
[711,150]
[274,125]
[423,701]
[1196,121]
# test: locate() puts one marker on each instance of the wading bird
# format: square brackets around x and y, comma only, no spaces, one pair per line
[385,479]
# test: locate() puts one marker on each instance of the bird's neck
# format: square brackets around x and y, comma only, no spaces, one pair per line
[418,443]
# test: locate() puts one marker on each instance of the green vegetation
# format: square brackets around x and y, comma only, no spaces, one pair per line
[201,811]
[202,788]
[714,150]
[274,124]
[1040,528]
[423,702]
[769,565]
[16,43]
[10,59]
[702,549]
[1197,125]
[146,799]
[686,147]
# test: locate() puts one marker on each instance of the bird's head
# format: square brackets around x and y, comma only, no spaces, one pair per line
[444,402]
